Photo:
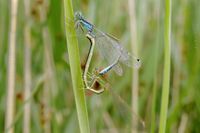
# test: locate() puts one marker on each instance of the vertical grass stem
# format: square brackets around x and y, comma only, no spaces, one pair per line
[76,74]
[166,76]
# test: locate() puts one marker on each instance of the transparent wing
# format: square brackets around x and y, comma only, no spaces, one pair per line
[108,50]
[118,69]
[129,60]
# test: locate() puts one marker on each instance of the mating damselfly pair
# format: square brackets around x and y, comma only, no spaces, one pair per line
[109,48]
[111,51]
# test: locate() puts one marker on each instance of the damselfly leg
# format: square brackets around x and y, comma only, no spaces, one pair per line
[100,73]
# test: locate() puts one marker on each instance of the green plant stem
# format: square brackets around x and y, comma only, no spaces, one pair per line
[166,76]
[155,71]
[74,60]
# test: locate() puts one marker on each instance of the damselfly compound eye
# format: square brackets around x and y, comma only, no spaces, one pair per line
[78,15]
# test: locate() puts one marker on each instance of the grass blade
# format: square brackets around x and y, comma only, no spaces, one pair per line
[166,76]
[76,75]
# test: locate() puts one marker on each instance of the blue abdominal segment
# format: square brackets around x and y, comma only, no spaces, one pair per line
[87,25]
[106,70]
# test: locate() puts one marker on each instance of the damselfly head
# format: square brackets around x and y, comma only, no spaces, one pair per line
[78,15]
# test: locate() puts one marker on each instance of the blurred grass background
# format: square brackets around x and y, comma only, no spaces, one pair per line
[52,100]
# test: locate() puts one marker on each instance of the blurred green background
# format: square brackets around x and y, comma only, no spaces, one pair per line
[52,101]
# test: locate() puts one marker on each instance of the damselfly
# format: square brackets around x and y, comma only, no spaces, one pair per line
[109,47]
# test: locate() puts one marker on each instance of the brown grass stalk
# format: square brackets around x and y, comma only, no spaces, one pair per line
[135,83]
[27,70]
[10,101]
